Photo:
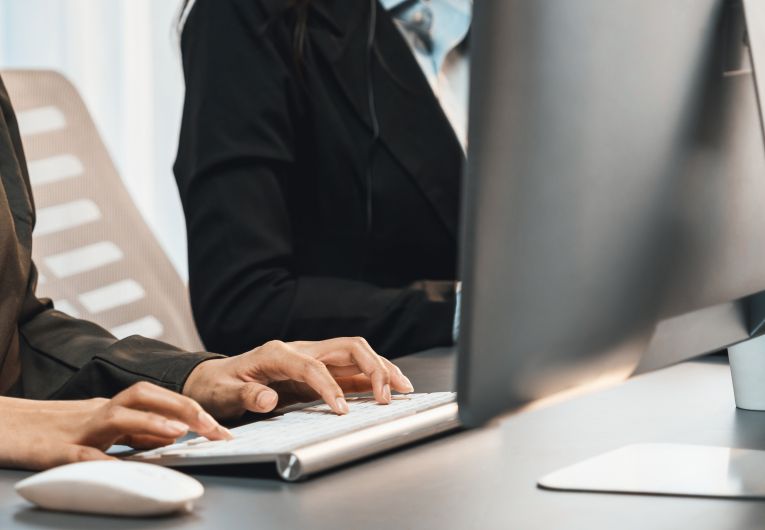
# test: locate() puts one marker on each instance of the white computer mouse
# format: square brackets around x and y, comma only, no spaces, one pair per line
[112,487]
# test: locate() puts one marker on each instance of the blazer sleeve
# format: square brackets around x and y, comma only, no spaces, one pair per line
[67,358]
[236,153]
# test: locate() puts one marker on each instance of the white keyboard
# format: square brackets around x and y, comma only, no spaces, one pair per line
[291,431]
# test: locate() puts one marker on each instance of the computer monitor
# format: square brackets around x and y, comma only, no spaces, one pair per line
[614,201]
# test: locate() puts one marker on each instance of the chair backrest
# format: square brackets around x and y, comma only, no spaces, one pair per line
[97,258]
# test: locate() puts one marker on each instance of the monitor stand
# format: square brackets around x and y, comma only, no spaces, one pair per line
[678,469]
[667,469]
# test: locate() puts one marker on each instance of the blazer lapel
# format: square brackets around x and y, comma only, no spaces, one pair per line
[413,127]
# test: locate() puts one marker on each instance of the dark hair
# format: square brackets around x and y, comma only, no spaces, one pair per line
[301,27]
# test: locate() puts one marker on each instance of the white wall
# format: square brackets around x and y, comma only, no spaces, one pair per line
[123,57]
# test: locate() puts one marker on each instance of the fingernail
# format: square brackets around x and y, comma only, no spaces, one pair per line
[207,422]
[266,400]
[176,427]
[408,386]
[386,392]
[342,405]
[228,435]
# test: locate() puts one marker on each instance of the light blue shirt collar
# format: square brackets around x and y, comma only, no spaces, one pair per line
[451,23]
[390,4]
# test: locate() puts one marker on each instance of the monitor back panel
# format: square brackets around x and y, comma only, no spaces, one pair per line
[616,179]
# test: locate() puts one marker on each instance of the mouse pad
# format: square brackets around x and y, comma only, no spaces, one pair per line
[667,469]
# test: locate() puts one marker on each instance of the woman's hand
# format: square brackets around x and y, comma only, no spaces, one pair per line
[282,373]
[42,434]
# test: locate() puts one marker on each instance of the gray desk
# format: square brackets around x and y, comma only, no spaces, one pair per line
[484,478]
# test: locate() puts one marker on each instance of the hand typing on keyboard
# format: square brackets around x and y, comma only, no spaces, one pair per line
[300,428]
[279,373]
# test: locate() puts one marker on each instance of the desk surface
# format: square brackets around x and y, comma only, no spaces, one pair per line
[483,478]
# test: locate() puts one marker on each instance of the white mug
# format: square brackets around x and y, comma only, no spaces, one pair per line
[747,368]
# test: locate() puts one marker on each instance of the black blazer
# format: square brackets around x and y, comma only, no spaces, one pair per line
[272,172]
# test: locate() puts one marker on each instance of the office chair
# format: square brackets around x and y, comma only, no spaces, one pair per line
[97,258]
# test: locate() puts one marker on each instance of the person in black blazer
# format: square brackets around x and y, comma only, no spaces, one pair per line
[320,179]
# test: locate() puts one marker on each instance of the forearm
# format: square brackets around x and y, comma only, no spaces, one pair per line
[9,405]
[395,321]
[29,428]
[67,358]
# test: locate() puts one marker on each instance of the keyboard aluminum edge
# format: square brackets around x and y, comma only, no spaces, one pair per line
[183,461]
[327,454]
